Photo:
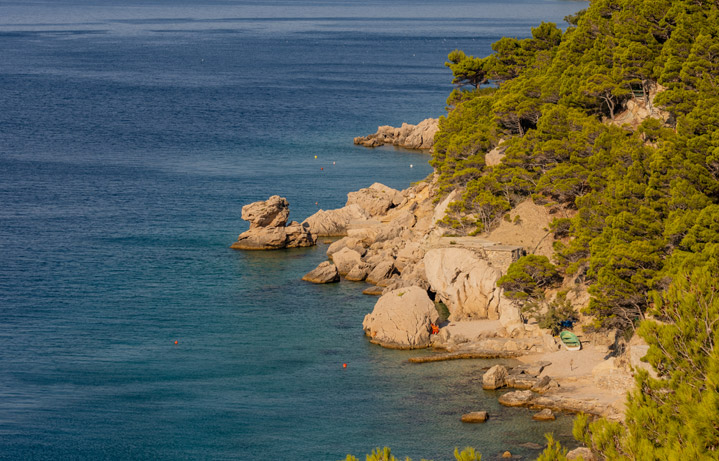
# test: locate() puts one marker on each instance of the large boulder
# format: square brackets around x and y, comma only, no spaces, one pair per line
[381,272]
[326,272]
[334,222]
[346,242]
[376,199]
[401,319]
[272,212]
[268,227]
[495,377]
[345,260]
[466,284]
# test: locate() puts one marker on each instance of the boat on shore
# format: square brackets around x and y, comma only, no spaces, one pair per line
[570,340]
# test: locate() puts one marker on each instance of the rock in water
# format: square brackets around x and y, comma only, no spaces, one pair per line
[268,227]
[516,398]
[475,417]
[402,318]
[326,272]
[495,377]
[544,415]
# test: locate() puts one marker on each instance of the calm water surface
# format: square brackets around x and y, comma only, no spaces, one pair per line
[131,133]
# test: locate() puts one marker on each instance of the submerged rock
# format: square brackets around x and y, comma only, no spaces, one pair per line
[544,415]
[401,319]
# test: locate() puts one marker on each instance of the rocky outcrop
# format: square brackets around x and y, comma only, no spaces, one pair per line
[495,378]
[330,223]
[326,272]
[420,136]
[466,284]
[345,260]
[376,199]
[268,227]
[401,319]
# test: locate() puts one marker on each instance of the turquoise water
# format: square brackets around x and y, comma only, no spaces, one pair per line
[131,134]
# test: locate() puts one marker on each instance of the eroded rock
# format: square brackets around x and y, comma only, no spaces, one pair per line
[326,272]
[401,318]
[495,377]
[334,222]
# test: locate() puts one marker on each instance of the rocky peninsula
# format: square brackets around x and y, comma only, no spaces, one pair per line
[395,241]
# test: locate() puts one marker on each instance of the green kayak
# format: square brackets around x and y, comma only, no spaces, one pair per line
[570,340]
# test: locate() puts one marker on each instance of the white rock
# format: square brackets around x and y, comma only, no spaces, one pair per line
[345,260]
[402,318]
[466,284]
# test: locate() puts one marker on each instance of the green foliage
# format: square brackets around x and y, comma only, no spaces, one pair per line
[677,415]
[558,311]
[554,450]
[468,454]
[646,199]
[526,278]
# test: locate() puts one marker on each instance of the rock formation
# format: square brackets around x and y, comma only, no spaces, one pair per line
[268,227]
[466,284]
[401,319]
[420,136]
[326,272]
[334,222]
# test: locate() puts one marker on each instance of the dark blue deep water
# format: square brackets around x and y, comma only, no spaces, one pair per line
[131,133]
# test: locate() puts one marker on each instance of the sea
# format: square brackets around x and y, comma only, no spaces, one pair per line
[132,132]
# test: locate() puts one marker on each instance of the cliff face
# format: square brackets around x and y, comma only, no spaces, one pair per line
[420,136]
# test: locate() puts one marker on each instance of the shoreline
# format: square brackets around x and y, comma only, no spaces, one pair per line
[392,239]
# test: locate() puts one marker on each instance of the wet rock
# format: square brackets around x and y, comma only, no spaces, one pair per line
[326,272]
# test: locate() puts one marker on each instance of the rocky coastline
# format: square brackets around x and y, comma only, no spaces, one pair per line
[394,240]
[416,137]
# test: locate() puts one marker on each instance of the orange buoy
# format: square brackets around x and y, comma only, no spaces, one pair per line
[344,365]
[175,341]
[322,169]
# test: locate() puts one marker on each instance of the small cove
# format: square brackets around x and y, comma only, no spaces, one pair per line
[132,137]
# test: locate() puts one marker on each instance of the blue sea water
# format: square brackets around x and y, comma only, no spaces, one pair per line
[131,134]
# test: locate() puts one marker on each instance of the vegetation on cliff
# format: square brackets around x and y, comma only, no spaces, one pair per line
[644,200]
[643,197]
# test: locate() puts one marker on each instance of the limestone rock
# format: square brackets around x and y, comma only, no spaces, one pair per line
[272,212]
[544,415]
[345,260]
[358,273]
[420,136]
[583,453]
[382,271]
[326,272]
[475,417]
[373,291]
[268,229]
[466,284]
[521,381]
[402,318]
[334,222]
[376,199]
[544,384]
[346,242]
[516,398]
[495,377]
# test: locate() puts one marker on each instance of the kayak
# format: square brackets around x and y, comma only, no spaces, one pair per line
[570,340]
